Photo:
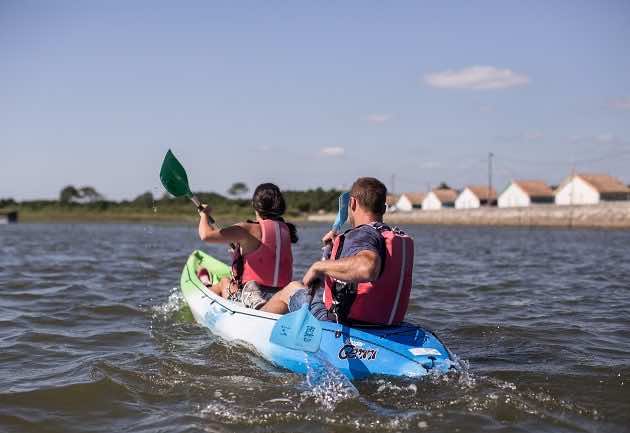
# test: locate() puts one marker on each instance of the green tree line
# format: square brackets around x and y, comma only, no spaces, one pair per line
[87,198]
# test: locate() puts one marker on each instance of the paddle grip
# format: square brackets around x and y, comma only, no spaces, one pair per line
[327,250]
[200,208]
[210,219]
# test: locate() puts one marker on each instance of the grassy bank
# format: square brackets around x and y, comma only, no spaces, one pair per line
[47,216]
[131,216]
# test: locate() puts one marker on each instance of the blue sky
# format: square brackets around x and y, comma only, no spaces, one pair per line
[306,95]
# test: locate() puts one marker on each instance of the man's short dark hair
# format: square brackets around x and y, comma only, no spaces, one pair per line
[370,193]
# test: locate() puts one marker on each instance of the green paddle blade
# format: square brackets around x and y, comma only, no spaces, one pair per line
[173,176]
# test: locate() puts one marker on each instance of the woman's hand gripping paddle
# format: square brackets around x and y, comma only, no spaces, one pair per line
[300,330]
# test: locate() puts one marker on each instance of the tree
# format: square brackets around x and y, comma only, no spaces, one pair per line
[238,188]
[443,185]
[68,193]
[144,200]
[4,202]
[89,194]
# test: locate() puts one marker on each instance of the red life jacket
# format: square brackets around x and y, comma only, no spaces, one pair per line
[383,301]
[271,264]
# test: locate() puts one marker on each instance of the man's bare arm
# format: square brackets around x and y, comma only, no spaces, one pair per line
[364,266]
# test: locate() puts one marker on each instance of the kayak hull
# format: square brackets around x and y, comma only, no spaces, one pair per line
[405,350]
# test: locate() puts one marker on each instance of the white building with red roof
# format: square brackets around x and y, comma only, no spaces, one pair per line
[439,198]
[409,201]
[590,189]
[523,193]
[474,196]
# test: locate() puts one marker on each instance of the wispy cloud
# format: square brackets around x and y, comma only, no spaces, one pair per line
[534,135]
[620,104]
[521,137]
[601,138]
[379,119]
[476,78]
[605,138]
[332,151]
[429,164]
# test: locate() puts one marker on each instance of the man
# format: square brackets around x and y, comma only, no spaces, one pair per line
[368,278]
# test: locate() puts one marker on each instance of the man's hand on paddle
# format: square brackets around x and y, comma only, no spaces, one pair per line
[313,275]
[329,237]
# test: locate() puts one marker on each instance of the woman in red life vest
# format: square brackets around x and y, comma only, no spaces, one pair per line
[262,260]
[369,275]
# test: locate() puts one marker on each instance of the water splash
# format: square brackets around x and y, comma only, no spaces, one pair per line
[387,386]
[154,201]
[327,385]
[172,306]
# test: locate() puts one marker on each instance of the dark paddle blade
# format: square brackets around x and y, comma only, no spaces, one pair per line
[173,176]
[299,330]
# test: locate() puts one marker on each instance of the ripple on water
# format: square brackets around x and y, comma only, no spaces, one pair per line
[99,342]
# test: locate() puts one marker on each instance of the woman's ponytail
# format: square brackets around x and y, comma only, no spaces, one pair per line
[292,232]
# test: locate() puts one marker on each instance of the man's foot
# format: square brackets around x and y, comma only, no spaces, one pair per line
[251,296]
[204,276]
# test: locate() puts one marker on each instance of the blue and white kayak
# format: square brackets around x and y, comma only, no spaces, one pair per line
[358,352]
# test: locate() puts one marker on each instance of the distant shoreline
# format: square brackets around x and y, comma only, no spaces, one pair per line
[613,215]
[82,216]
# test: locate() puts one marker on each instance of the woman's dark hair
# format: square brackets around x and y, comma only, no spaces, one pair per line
[269,202]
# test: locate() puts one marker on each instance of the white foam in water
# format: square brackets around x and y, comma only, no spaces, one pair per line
[328,386]
[174,303]
[384,386]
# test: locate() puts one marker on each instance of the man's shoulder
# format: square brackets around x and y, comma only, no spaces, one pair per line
[373,230]
[382,228]
[366,230]
[363,238]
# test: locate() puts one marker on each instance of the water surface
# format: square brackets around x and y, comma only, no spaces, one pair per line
[94,337]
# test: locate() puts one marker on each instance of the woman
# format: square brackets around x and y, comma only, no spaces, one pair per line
[262,259]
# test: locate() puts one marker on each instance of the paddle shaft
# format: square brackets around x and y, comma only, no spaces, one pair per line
[200,208]
[342,216]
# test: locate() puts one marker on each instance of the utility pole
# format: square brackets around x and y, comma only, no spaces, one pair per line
[571,196]
[393,184]
[490,156]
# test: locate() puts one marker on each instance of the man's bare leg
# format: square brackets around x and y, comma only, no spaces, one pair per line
[279,303]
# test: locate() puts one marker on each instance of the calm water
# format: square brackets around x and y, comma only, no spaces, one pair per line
[94,338]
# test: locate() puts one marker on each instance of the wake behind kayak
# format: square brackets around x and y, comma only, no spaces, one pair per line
[404,350]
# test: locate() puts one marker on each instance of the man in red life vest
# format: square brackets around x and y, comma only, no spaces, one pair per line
[368,278]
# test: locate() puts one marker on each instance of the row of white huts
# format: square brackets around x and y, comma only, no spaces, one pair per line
[577,189]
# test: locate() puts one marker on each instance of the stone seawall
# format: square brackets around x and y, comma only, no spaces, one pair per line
[603,215]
